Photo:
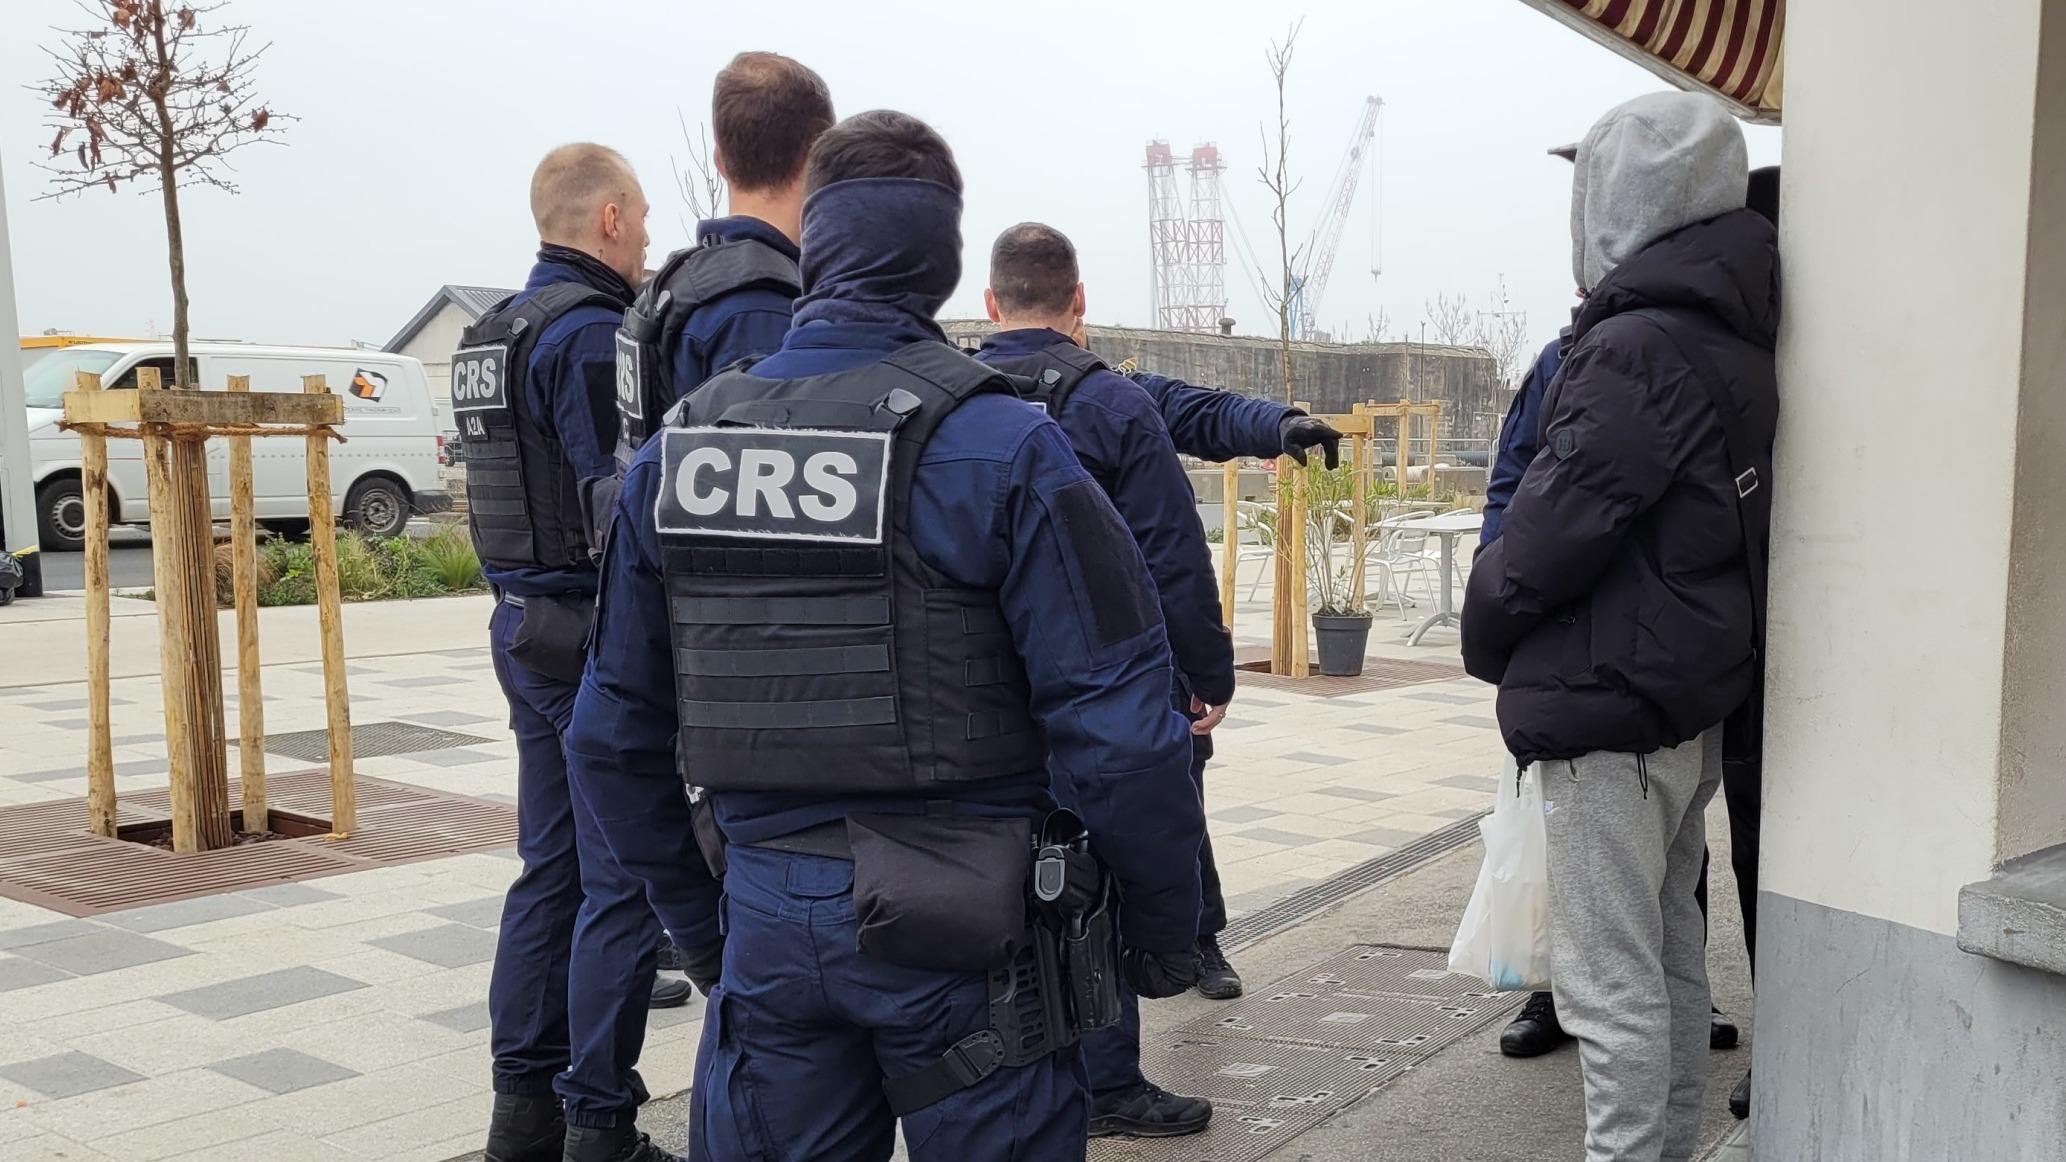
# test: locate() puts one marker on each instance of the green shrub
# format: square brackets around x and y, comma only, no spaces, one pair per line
[449,559]
[372,569]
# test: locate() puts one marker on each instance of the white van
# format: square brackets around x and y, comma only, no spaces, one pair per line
[386,468]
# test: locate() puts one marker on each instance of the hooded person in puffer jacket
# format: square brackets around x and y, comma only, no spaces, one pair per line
[1619,610]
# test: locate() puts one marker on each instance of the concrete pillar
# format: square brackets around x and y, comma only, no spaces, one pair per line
[1916,725]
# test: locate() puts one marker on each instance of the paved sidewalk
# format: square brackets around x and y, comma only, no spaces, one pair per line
[344,1018]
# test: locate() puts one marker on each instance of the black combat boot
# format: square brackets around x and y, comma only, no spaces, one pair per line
[670,991]
[526,1127]
[1147,1111]
[1739,1098]
[1217,979]
[614,1144]
[1536,1031]
[1721,1031]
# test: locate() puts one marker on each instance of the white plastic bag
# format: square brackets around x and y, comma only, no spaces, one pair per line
[1504,937]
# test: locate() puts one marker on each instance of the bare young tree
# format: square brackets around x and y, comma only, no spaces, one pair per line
[1451,321]
[1275,178]
[1503,331]
[702,188]
[1377,326]
[154,93]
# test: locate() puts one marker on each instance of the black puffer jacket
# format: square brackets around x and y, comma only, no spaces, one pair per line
[1614,611]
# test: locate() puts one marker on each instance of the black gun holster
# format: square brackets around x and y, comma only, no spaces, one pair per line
[1059,984]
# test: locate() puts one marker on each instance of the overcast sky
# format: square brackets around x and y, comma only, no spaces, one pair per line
[421,121]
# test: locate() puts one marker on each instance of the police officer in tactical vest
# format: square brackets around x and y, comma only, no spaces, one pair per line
[533,392]
[1036,297]
[729,296]
[896,607]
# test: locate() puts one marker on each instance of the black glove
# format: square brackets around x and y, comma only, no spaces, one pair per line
[1155,975]
[1299,431]
[702,964]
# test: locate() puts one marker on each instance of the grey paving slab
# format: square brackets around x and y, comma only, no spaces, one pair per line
[288,895]
[1478,720]
[1364,794]
[1251,700]
[1448,699]
[1375,728]
[460,757]
[448,718]
[45,933]
[485,912]
[17,973]
[60,704]
[464,1019]
[67,723]
[1271,835]
[420,680]
[678,1015]
[1482,782]
[282,1070]
[1385,836]
[448,945]
[499,797]
[122,769]
[133,739]
[68,1074]
[1311,756]
[255,994]
[102,951]
[164,917]
[1243,814]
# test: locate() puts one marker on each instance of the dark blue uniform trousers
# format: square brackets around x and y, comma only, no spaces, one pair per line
[574,965]
[1112,1055]
[803,1028]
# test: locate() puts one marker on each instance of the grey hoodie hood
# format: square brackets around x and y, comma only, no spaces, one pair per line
[1648,168]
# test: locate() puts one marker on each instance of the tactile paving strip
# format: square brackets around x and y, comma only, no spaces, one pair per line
[369,740]
[1289,1056]
[48,858]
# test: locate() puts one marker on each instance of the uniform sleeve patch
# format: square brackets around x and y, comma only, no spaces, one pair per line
[1563,443]
[1121,604]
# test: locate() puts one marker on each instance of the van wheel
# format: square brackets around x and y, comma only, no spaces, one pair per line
[61,515]
[377,507]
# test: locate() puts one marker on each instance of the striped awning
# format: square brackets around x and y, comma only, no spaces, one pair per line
[1730,48]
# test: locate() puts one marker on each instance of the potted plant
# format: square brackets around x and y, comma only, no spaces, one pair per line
[1341,621]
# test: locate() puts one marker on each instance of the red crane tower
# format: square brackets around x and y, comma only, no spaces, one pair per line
[1187,240]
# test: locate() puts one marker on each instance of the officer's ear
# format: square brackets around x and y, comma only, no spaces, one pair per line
[611,221]
[1077,302]
[717,162]
[990,306]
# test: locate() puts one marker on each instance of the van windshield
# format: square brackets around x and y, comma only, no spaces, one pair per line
[48,379]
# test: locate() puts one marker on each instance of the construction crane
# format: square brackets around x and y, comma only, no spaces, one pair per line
[1316,257]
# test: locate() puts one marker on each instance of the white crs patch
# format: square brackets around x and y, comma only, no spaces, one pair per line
[773,484]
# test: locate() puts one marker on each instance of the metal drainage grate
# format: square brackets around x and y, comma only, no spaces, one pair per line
[1378,674]
[48,858]
[1326,893]
[1293,1054]
[369,740]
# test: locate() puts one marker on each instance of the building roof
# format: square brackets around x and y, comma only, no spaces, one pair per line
[474,301]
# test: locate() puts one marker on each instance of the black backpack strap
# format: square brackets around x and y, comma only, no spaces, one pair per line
[556,299]
[1753,501]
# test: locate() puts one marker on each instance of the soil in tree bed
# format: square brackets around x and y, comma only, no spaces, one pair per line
[284,825]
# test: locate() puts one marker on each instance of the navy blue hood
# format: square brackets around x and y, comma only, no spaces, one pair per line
[880,250]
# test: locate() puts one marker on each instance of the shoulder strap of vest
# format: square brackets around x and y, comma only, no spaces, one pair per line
[1054,372]
[699,275]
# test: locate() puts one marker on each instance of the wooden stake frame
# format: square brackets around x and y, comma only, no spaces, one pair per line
[174,427]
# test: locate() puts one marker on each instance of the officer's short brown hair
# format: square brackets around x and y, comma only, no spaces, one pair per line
[766,111]
[881,143]
[1033,269]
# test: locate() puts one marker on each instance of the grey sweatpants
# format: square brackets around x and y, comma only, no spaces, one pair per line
[1627,942]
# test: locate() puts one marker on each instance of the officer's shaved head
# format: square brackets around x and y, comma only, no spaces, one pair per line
[1033,270]
[766,110]
[573,184]
[585,196]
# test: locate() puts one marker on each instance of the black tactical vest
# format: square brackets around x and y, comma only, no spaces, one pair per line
[688,280]
[1053,371]
[813,649]
[521,502]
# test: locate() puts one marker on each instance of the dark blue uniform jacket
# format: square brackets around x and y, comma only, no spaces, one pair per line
[739,325]
[982,512]
[1213,424]
[1117,431]
[570,388]
[1520,438]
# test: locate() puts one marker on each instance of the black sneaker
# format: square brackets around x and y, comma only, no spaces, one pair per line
[1217,979]
[1536,1031]
[670,991]
[672,959]
[1721,1031]
[526,1127]
[616,1144]
[1146,1111]
[1739,1098]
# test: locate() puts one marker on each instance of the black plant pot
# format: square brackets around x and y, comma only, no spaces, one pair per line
[1341,638]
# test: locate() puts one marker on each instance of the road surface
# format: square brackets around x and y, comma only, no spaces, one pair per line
[129,563]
